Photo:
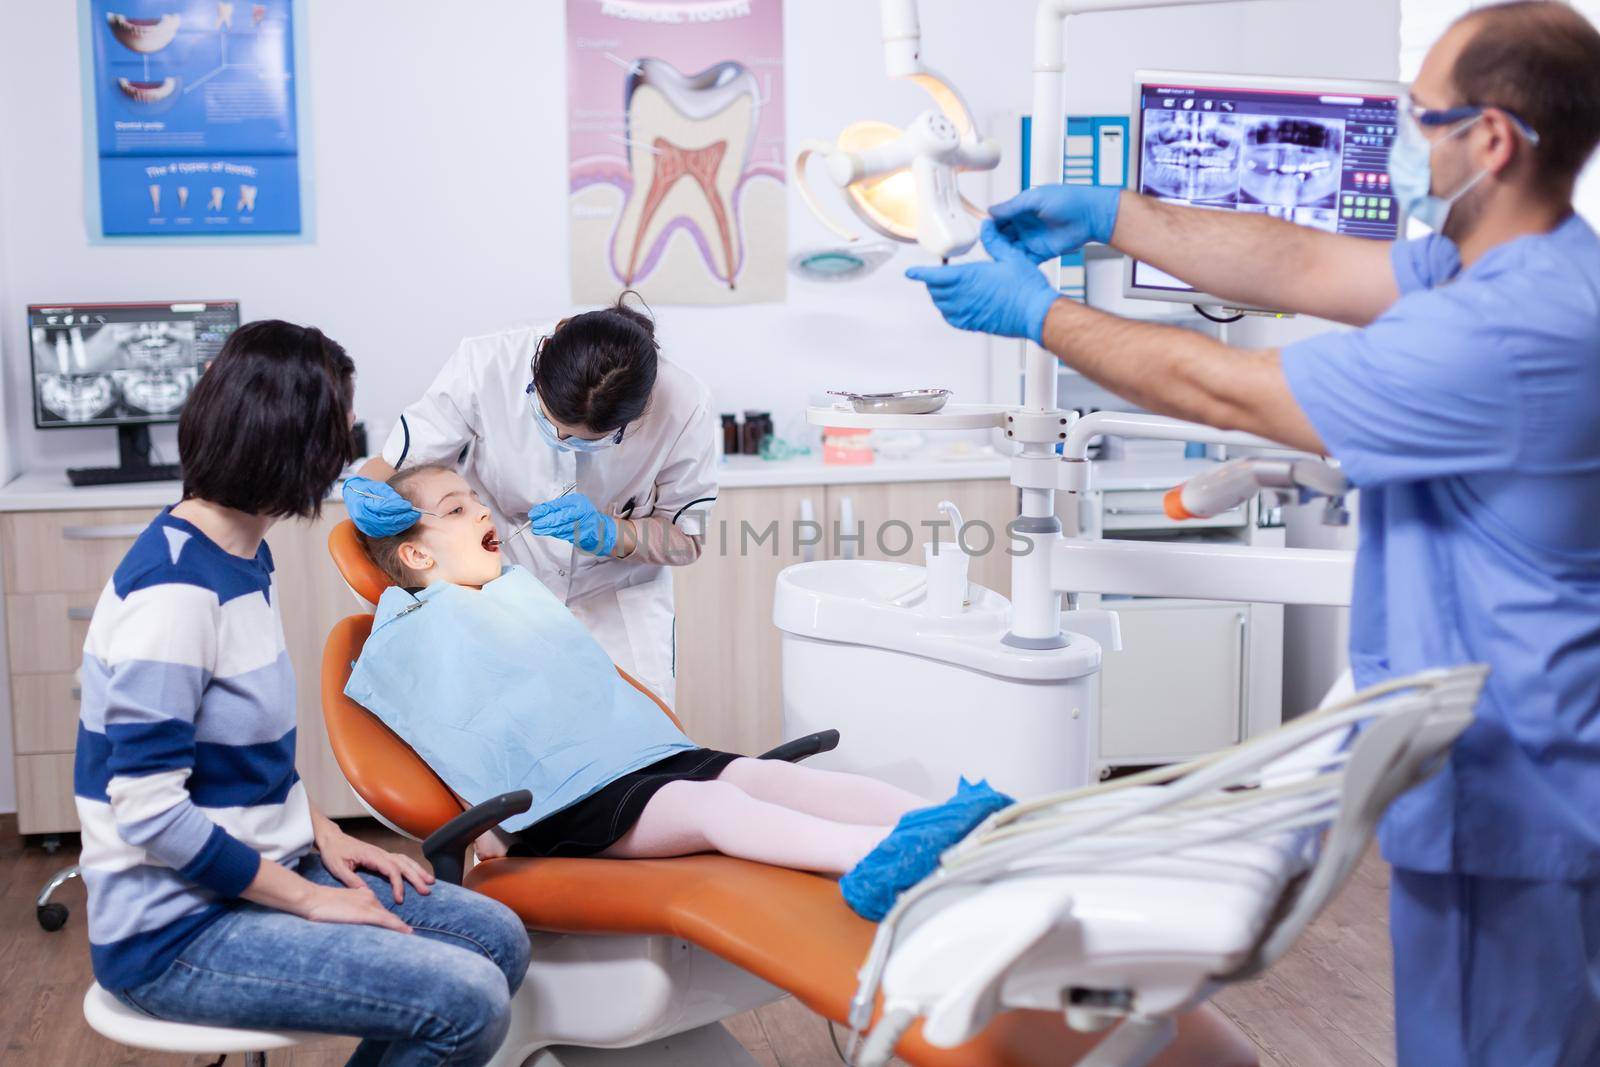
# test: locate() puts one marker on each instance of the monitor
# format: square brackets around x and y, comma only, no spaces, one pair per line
[1313,152]
[122,365]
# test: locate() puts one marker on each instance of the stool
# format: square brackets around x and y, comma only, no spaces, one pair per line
[122,1024]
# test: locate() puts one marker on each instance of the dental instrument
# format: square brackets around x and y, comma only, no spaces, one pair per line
[904,402]
[497,542]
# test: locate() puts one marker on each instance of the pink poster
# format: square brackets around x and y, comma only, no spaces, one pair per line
[675,136]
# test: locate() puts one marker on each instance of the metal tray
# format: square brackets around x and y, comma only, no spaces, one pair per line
[905,402]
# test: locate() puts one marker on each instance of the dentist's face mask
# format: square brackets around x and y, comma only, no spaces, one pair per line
[1411,159]
[553,438]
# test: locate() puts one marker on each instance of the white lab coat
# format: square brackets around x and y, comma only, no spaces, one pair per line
[666,462]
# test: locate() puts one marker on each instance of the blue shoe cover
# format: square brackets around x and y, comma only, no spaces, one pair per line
[911,851]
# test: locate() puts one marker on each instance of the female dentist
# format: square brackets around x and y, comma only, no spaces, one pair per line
[605,447]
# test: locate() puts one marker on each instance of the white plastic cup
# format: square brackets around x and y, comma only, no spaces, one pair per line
[947,579]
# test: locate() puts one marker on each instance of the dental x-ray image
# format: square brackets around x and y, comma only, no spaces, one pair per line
[113,372]
[1192,156]
[1291,162]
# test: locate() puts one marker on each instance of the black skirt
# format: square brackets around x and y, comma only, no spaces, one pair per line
[598,821]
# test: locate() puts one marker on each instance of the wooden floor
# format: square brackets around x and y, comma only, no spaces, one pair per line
[1327,1004]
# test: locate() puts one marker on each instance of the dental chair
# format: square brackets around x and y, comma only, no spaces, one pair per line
[637,961]
[1129,902]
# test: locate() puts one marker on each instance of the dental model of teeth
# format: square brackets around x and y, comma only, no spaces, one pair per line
[689,139]
[145,92]
[143,35]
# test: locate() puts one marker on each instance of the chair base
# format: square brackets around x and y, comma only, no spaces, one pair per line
[639,995]
[708,1046]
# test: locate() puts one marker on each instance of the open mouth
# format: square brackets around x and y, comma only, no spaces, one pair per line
[491,541]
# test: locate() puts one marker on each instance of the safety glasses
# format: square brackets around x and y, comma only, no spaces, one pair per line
[1438,117]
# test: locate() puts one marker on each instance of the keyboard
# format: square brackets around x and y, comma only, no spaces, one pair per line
[157,472]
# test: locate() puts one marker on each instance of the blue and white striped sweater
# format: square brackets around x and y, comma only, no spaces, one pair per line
[185,776]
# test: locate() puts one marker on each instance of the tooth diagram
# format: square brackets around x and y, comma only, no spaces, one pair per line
[224,15]
[258,12]
[143,35]
[688,139]
[155,199]
[247,198]
[148,92]
[183,197]
[215,203]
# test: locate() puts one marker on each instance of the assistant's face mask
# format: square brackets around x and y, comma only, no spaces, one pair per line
[1411,172]
[552,436]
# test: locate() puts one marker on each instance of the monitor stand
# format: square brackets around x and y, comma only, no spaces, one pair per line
[133,463]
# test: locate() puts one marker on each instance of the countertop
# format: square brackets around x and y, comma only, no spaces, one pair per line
[49,490]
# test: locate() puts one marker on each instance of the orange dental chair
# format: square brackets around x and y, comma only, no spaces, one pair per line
[636,961]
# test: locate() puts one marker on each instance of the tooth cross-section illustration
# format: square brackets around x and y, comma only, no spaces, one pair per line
[224,14]
[143,35]
[689,140]
[215,203]
[247,198]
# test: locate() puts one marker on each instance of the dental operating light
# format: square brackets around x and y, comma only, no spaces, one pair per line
[901,183]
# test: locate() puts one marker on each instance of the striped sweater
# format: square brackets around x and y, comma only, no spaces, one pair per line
[185,775]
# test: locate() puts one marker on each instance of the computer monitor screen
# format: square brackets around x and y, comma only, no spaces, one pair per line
[1313,152]
[121,364]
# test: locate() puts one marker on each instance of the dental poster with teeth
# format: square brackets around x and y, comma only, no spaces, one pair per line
[675,137]
[194,117]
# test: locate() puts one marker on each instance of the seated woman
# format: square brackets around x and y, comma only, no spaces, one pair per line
[498,686]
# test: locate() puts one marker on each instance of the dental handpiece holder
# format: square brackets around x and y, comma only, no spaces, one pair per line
[946,565]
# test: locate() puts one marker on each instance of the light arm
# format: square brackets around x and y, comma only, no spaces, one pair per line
[1258,261]
[1176,372]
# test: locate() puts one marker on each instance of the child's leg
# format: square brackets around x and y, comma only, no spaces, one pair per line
[851,798]
[687,817]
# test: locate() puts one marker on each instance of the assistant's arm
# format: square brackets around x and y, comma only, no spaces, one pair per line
[1259,261]
[1181,373]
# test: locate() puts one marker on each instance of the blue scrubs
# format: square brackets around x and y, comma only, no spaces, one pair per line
[1469,416]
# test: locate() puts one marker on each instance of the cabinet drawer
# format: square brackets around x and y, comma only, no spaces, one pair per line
[44,794]
[1141,509]
[44,712]
[45,631]
[67,551]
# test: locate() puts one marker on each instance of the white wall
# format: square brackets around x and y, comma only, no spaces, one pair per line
[439,155]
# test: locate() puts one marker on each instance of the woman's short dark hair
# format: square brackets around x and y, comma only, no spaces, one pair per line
[598,369]
[267,428]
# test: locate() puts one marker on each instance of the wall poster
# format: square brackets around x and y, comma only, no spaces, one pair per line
[193,117]
[676,150]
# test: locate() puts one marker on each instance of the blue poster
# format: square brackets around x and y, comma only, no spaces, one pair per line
[194,115]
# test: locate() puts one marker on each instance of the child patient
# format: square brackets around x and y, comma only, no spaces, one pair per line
[498,686]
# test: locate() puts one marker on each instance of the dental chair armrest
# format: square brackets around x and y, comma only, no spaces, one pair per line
[804,747]
[446,848]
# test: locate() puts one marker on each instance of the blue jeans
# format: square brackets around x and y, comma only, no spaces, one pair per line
[438,996]
[1492,972]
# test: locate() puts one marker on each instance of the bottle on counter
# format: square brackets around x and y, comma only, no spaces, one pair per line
[757,428]
[730,434]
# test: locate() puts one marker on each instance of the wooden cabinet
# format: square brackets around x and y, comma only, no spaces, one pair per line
[57,562]
[727,650]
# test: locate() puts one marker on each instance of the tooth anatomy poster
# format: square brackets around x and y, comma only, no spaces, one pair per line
[675,138]
[193,111]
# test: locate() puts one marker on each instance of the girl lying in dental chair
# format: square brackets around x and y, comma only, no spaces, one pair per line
[498,686]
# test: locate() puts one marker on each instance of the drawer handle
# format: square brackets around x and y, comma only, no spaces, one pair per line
[1120,509]
[125,532]
[80,614]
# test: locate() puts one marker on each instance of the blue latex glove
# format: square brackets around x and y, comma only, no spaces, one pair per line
[911,851]
[574,518]
[376,509]
[1007,296]
[1051,220]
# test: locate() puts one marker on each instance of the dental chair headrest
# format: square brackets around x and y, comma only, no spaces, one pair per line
[355,566]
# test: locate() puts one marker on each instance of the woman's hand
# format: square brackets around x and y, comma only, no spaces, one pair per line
[343,855]
[358,907]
